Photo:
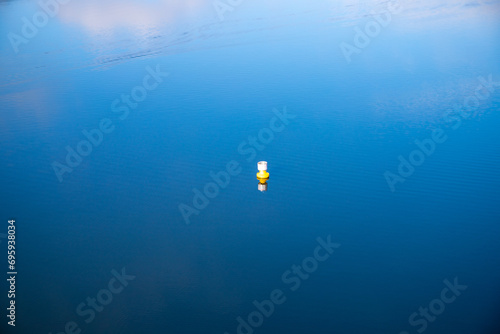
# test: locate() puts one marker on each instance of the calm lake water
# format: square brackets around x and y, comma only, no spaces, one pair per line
[130,135]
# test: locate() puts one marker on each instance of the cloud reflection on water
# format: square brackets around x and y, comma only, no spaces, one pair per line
[97,16]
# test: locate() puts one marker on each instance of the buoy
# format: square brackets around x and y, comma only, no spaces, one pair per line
[262,166]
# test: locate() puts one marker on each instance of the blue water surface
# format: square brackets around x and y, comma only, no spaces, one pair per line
[130,135]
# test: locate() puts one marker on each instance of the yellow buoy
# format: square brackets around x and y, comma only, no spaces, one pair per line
[262,166]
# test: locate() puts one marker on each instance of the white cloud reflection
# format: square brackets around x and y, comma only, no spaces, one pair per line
[99,16]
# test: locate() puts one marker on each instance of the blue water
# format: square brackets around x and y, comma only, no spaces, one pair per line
[130,135]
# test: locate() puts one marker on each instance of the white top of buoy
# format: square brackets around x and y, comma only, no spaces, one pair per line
[262,165]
